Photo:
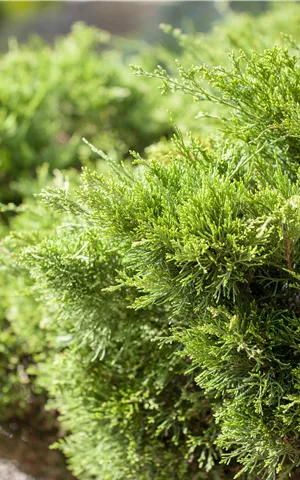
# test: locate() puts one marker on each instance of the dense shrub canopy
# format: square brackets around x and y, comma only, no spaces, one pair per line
[50,98]
[169,339]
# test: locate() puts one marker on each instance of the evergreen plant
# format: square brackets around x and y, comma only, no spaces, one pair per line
[50,97]
[173,289]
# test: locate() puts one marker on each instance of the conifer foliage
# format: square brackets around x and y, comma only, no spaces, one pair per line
[52,96]
[173,289]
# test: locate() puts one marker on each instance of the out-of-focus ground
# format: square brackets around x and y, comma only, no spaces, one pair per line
[24,447]
[9,471]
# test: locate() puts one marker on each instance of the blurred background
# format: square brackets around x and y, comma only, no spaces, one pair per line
[141,19]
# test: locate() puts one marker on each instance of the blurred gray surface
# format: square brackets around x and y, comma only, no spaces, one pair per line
[140,18]
[119,17]
[9,471]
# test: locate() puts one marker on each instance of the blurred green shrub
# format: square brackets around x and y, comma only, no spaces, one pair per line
[14,10]
[51,97]
[23,319]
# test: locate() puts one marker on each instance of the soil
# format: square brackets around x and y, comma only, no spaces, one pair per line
[26,443]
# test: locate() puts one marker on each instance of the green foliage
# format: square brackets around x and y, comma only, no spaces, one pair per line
[23,318]
[51,97]
[146,405]
[215,237]
[238,32]
[210,237]
[169,292]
